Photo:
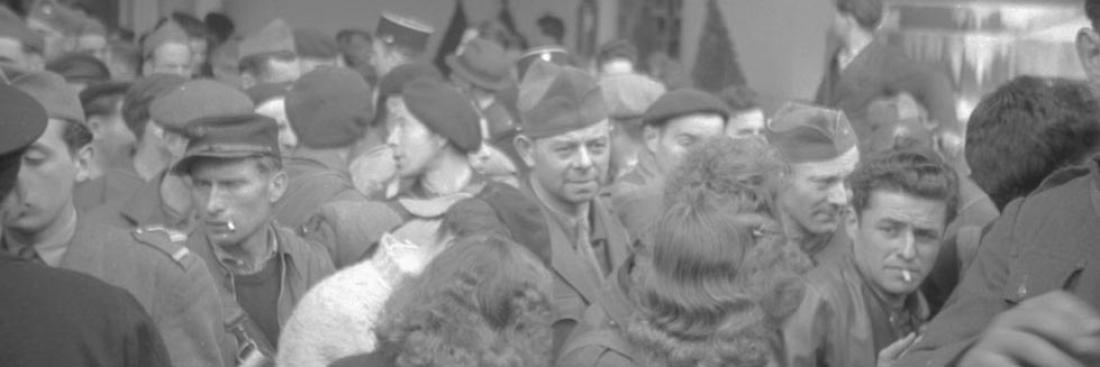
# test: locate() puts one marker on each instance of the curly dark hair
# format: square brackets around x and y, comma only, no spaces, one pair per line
[747,169]
[484,301]
[917,172]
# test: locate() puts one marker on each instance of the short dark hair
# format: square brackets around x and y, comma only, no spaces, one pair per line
[103,99]
[135,105]
[345,35]
[220,26]
[76,136]
[868,13]
[1027,129]
[552,26]
[740,98]
[1092,10]
[916,172]
[617,49]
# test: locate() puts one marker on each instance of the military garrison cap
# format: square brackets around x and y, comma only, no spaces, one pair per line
[554,100]
[808,133]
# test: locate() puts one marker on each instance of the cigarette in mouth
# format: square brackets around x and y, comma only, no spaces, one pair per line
[904,273]
[233,228]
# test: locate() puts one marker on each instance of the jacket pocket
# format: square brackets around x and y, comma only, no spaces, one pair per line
[1035,272]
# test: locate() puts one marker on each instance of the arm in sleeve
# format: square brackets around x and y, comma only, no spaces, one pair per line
[973,304]
[142,343]
[193,325]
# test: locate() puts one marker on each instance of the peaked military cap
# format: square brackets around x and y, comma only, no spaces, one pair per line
[229,136]
[402,31]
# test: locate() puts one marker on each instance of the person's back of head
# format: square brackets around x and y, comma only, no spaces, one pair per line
[553,27]
[1026,130]
[867,13]
[484,301]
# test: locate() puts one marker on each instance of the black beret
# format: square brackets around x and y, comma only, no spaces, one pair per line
[682,102]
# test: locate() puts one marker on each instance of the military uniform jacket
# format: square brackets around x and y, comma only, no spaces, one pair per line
[312,184]
[833,325]
[304,264]
[599,342]
[1041,243]
[52,317]
[882,71]
[576,285]
[170,282]
[142,208]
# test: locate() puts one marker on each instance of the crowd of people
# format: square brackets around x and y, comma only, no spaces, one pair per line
[291,198]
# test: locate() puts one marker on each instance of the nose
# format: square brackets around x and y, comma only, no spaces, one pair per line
[584,158]
[909,247]
[838,194]
[215,202]
[391,139]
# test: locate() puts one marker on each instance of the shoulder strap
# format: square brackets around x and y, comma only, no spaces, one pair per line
[167,241]
[401,211]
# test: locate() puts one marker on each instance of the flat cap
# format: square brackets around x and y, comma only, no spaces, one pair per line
[808,133]
[552,54]
[556,99]
[403,31]
[315,44]
[482,63]
[197,99]
[22,117]
[445,111]
[267,91]
[628,96]
[276,38]
[169,32]
[329,107]
[80,68]
[683,102]
[229,136]
[50,90]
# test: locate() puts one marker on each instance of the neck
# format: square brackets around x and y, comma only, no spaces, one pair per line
[484,99]
[60,231]
[448,175]
[567,208]
[809,242]
[149,162]
[336,158]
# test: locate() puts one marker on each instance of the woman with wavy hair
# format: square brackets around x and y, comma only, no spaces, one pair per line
[715,279]
[482,302]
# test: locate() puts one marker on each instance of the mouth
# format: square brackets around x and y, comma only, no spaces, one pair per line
[909,275]
[221,226]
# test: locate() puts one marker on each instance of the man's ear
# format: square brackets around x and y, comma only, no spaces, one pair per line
[652,137]
[1088,51]
[526,149]
[84,159]
[95,125]
[277,186]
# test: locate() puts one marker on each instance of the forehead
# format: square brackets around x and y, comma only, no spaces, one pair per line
[898,206]
[211,168]
[696,124]
[51,138]
[172,50]
[601,129]
[275,107]
[839,166]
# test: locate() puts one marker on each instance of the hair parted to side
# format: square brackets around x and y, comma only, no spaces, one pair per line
[920,173]
[484,301]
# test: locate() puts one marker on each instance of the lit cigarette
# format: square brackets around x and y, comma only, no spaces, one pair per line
[904,273]
[234,228]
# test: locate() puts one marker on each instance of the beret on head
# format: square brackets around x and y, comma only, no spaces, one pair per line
[617,49]
[197,99]
[316,44]
[229,136]
[169,32]
[445,111]
[394,81]
[80,68]
[22,121]
[554,100]
[683,102]
[273,39]
[403,31]
[628,96]
[807,133]
[867,12]
[329,107]
[50,90]
[552,54]
[482,63]
[267,91]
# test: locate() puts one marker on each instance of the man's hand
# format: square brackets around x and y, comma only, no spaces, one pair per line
[1056,329]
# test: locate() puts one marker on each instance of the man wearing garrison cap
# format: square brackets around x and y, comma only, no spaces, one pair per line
[675,123]
[162,199]
[45,227]
[317,48]
[21,48]
[269,56]
[862,68]
[328,110]
[58,24]
[166,51]
[822,150]
[84,321]
[261,268]
[398,40]
[566,144]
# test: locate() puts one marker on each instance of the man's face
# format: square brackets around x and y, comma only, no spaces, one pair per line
[170,58]
[815,195]
[746,124]
[46,178]
[670,143]
[284,69]
[382,59]
[198,48]
[12,53]
[414,146]
[276,109]
[234,196]
[573,165]
[896,234]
